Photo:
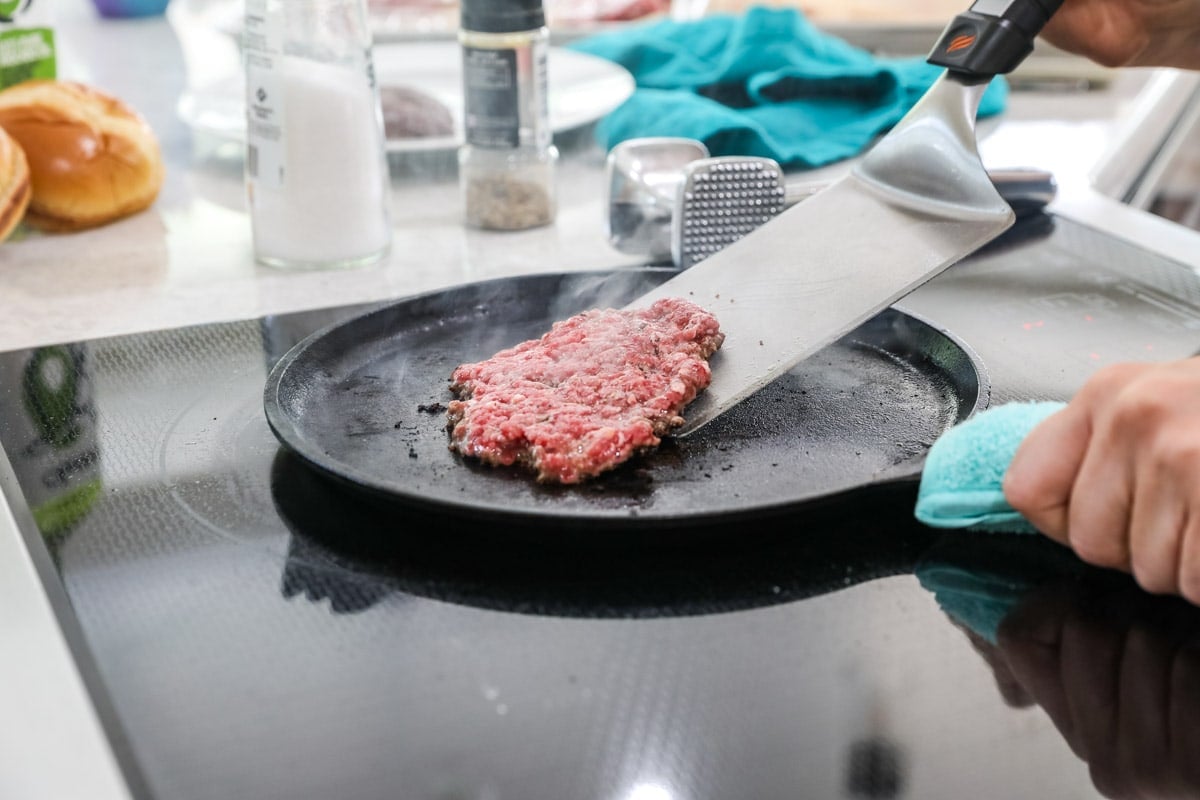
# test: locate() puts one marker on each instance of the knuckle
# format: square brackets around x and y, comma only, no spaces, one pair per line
[1189,579]
[1140,406]
[1022,492]
[1144,394]
[1109,50]
[1126,53]
[1038,507]
[1177,454]
[1152,575]
[1109,380]
[1114,56]
[1100,551]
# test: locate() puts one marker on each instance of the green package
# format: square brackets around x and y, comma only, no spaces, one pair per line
[26,41]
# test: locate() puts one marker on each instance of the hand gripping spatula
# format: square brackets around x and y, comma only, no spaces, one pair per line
[918,201]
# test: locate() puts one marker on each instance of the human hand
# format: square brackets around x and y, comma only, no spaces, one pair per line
[1118,673]
[1116,474]
[1115,33]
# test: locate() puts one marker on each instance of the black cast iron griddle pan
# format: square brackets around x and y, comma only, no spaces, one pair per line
[363,401]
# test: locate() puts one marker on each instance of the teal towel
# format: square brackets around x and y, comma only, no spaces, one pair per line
[765,83]
[974,598]
[978,581]
[961,487]
[961,483]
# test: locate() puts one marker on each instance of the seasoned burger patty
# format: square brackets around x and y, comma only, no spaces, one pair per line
[585,397]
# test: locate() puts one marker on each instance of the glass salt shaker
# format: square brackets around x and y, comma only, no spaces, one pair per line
[316,169]
[506,166]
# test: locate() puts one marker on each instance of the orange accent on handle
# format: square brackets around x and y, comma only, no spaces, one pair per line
[960,43]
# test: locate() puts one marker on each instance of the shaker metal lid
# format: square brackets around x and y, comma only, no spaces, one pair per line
[502,16]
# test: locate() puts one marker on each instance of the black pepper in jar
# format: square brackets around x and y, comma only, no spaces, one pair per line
[504,203]
[506,164]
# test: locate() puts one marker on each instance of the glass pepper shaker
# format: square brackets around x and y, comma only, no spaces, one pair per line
[506,165]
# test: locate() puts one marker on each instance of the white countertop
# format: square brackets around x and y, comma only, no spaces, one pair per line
[189,260]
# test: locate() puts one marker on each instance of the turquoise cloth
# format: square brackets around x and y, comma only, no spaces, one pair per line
[961,487]
[976,599]
[961,483]
[978,581]
[764,83]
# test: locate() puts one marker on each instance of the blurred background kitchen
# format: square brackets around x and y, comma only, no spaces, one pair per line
[189,258]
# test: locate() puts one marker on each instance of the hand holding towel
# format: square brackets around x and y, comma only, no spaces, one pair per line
[962,481]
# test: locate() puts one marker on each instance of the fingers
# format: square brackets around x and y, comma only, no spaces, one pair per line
[1143,688]
[1164,528]
[1042,473]
[1144,33]
[1116,474]
[1183,719]
[1030,638]
[1071,476]
[1100,30]
[1155,528]
[1119,675]
[1011,690]
[1189,559]
[1101,500]
[1090,657]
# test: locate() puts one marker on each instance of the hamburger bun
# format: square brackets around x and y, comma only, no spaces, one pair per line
[92,159]
[15,188]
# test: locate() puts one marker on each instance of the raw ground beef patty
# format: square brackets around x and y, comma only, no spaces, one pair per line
[585,397]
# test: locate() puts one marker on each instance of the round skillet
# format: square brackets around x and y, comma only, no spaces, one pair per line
[363,401]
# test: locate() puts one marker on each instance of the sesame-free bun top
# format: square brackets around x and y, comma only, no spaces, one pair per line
[14,184]
[92,158]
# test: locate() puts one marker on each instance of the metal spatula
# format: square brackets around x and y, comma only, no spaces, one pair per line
[722,199]
[917,202]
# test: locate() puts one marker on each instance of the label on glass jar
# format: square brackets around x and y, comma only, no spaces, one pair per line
[26,41]
[492,94]
[262,43]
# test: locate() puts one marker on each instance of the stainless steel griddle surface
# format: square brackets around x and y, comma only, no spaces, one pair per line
[263,634]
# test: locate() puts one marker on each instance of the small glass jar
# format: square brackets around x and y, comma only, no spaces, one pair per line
[506,165]
[316,168]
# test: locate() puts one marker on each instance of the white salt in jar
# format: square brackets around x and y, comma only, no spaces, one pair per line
[316,169]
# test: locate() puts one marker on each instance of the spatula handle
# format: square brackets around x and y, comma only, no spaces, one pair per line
[991,38]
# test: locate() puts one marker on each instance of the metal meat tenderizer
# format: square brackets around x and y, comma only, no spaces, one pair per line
[720,201]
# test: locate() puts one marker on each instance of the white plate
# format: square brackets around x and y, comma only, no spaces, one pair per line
[583,89]
[437,19]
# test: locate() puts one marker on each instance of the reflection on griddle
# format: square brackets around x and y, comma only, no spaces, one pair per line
[305,573]
[50,419]
[1116,670]
[354,548]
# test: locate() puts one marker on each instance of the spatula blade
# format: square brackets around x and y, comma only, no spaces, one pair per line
[920,201]
[808,277]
